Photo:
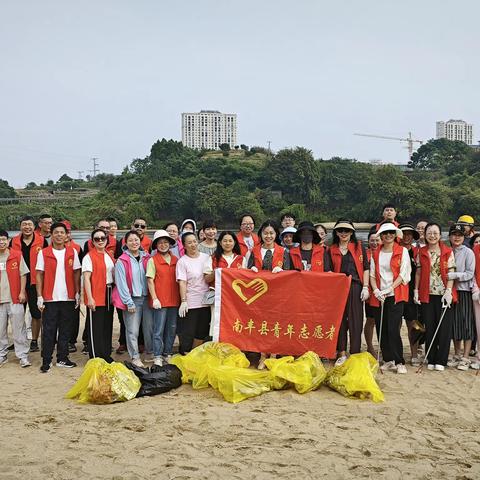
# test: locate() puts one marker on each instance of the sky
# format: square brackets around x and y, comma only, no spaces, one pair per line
[107,78]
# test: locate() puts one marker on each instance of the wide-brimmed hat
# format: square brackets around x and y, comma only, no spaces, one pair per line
[287,230]
[161,234]
[457,228]
[306,227]
[389,227]
[344,224]
[408,227]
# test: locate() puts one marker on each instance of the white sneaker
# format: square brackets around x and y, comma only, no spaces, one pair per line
[439,368]
[388,366]
[430,366]
[475,365]
[158,361]
[341,360]
[25,362]
[167,359]
[3,361]
[401,368]
[464,364]
[138,363]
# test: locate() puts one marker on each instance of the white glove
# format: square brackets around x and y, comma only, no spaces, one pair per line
[416,300]
[40,304]
[77,300]
[277,269]
[254,269]
[156,304]
[447,298]
[378,295]
[182,311]
[452,275]
[365,295]
[386,292]
[476,296]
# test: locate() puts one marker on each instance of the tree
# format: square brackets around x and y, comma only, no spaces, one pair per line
[244,147]
[6,191]
[224,147]
[64,178]
[441,154]
[30,185]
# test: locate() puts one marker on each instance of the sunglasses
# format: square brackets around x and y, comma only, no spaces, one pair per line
[140,225]
[389,232]
[344,230]
[99,239]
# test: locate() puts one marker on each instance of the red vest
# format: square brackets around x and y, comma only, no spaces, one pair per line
[222,263]
[476,251]
[401,292]
[13,274]
[51,268]
[166,285]
[35,247]
[424,286]
[277,260]
[243,245]
[317,258]
[98,279]
[75,245]
[357,254]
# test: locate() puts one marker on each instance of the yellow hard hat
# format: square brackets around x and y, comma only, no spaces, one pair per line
[466,220]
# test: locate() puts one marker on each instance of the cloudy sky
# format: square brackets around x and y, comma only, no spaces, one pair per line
[106,78]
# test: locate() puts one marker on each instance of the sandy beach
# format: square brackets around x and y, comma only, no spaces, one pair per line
[428,427]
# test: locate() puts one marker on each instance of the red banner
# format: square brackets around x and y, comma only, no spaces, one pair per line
[287,313]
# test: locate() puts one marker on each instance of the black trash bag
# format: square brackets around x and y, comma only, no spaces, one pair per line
[156,379]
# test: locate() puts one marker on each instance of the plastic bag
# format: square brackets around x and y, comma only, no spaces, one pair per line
[306,373]
[157,379]
[356,378]
[237,384]
[103,382]
[196,364]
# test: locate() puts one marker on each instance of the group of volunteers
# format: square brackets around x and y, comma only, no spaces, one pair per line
[163,287]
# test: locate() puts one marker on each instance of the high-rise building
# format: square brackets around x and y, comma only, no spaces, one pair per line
[209,129]
[456,130]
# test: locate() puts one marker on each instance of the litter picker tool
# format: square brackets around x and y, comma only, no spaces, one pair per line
[380,335]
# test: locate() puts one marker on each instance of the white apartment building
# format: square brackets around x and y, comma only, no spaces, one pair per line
[456,130]
[209,129]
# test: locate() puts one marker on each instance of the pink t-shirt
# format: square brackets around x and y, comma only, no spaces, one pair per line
[191,270]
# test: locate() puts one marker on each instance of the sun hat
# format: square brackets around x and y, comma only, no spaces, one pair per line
[389,227]
[287,230]
[344,224]
[306,226]
[161,234]
[408,227]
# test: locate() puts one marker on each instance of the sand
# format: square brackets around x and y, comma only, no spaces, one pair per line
[428,428]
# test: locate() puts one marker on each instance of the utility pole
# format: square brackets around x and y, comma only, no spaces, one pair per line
[95,167]
[80,174]
[269,149]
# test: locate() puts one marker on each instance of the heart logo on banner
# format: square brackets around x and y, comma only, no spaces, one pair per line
[251,291]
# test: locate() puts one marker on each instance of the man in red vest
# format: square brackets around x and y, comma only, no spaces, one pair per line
[140,226]
[29,244]
[58,288]
[13,281]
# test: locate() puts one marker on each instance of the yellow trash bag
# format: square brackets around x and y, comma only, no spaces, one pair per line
[356,378]
[306,373]
[237,384]
[103,382]
[196,364]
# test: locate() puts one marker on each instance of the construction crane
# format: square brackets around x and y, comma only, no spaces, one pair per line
[410,141]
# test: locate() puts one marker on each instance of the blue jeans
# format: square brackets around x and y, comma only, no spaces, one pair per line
[164,330]
[132,326]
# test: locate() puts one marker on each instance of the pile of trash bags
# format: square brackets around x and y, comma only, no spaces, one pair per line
[104,383]
[225,368]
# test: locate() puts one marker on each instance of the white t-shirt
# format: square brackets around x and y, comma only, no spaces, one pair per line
[60,293]
[88,267]
[191,270]
[386,274]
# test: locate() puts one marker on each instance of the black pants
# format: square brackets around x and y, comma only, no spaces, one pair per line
[57,320]
[122,339]
[431,313]
[196,324]
[31,291]
[75,326]
[352,321]
[391,341]
[100,332]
